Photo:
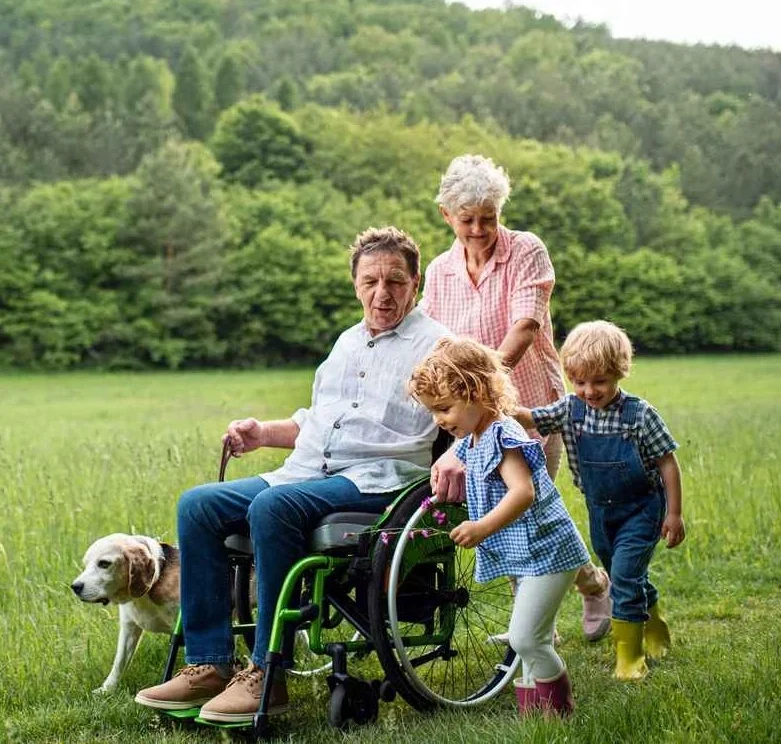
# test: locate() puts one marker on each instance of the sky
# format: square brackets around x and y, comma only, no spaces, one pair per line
[749,23]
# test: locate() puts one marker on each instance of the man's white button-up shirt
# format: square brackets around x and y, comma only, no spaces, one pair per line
[362,423]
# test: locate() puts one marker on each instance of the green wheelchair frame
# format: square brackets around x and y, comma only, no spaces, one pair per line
[409,593]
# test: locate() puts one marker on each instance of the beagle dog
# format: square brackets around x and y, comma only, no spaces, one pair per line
[139,574]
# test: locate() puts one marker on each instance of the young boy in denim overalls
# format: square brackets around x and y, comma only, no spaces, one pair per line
[622,457]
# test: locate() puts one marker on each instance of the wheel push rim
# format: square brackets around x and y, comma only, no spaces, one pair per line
[478,666]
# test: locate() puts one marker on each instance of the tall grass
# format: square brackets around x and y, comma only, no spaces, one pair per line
[82,455]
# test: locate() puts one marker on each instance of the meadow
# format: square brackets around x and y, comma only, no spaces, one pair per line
[86,454]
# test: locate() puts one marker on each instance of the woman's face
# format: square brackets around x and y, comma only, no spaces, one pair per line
[476,227]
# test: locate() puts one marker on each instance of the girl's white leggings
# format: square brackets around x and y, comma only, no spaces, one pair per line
[537,600]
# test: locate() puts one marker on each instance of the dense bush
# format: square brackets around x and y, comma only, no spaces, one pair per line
[181,264]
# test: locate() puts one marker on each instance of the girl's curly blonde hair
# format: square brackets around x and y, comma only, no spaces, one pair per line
[463,369]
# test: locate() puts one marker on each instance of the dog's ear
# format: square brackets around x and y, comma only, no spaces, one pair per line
[141,569]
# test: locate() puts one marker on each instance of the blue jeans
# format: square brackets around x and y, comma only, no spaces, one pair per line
[280,519]
[624,537]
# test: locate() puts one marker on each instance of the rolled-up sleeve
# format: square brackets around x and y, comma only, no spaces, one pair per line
[550,419]
[534,279]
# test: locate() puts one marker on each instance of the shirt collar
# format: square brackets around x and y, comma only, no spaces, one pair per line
[617,403]
[404,330]
[455,258]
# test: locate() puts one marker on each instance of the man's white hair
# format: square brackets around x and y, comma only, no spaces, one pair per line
[473,181]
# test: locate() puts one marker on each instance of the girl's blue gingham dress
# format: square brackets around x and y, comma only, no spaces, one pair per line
[544,539]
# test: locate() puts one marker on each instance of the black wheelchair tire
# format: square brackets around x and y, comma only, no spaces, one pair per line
[378,604]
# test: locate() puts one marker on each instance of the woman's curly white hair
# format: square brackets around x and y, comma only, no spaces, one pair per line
[473,181]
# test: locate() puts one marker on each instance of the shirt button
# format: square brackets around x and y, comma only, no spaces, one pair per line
[337,425]
[355,405]
[370,344]
[361,374]
[326,454]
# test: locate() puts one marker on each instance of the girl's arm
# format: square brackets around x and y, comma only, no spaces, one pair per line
[673,528]
[516,475]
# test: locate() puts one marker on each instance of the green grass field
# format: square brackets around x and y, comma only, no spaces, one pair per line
[83,455]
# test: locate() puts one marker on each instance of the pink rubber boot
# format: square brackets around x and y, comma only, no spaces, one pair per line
[527,696]
[555,696]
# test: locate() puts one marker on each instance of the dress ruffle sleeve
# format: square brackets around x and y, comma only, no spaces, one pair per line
[504,435]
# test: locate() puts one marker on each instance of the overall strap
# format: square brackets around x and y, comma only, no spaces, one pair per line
[577,410]
[629,410]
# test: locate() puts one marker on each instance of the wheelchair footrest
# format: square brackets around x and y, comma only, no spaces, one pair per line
[188,714]
[217,724]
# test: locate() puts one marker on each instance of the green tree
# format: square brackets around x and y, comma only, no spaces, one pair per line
[228,82]
[173,241]
[94,83]
[59,82]
[190,97]
[256,142]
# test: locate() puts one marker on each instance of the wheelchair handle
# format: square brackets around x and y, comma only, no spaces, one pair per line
[226,455]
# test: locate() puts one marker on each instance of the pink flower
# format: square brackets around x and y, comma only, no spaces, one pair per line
[385,537]
[427,532]
[412,535]
[439,516]
[426,504]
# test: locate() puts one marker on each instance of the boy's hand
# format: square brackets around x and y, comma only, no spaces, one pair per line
[673,530]
[467,534]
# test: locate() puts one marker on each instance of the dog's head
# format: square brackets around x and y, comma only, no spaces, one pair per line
[118,568]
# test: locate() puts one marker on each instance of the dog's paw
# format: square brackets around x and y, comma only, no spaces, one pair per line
[104,689]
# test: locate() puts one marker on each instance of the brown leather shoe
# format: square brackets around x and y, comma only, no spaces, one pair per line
[241,699]
[191,687]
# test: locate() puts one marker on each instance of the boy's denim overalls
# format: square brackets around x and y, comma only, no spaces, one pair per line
[625,510]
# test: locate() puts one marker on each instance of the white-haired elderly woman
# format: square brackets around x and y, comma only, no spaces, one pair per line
[494,285]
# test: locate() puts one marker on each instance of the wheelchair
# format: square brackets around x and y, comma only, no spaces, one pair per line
[403,590]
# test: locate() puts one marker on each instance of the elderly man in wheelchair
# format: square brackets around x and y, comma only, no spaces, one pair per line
[362,445]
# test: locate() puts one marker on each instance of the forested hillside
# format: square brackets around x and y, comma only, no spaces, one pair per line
[178,180]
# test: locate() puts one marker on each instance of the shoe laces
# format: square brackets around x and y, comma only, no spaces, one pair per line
[252,676]
[191,670]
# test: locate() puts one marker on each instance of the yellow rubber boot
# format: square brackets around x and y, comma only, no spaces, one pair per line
[630,659]
[657,634]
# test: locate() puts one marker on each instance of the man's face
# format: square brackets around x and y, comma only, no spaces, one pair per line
[385,288]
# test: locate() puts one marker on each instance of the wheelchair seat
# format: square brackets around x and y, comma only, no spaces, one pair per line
[339,532]
[336,533]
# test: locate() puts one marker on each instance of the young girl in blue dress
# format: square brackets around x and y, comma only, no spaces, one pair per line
[517,522]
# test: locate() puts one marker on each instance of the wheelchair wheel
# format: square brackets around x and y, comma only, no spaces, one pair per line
[433,626]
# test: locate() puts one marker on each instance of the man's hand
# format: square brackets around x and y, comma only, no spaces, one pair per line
[467,534]
[244,435]
[447,479]
[673,530]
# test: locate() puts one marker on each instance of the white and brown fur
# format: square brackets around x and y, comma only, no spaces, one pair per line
[141,575]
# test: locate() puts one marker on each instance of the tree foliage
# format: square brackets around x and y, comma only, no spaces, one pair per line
[179,181]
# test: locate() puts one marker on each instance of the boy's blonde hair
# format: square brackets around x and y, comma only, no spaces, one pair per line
[463,369]
[597,347]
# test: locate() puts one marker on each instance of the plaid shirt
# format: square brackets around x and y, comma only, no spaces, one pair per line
[516,283]
[649,433]
[544,539]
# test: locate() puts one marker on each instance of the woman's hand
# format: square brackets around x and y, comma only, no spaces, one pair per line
[244,435]
[447,478]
